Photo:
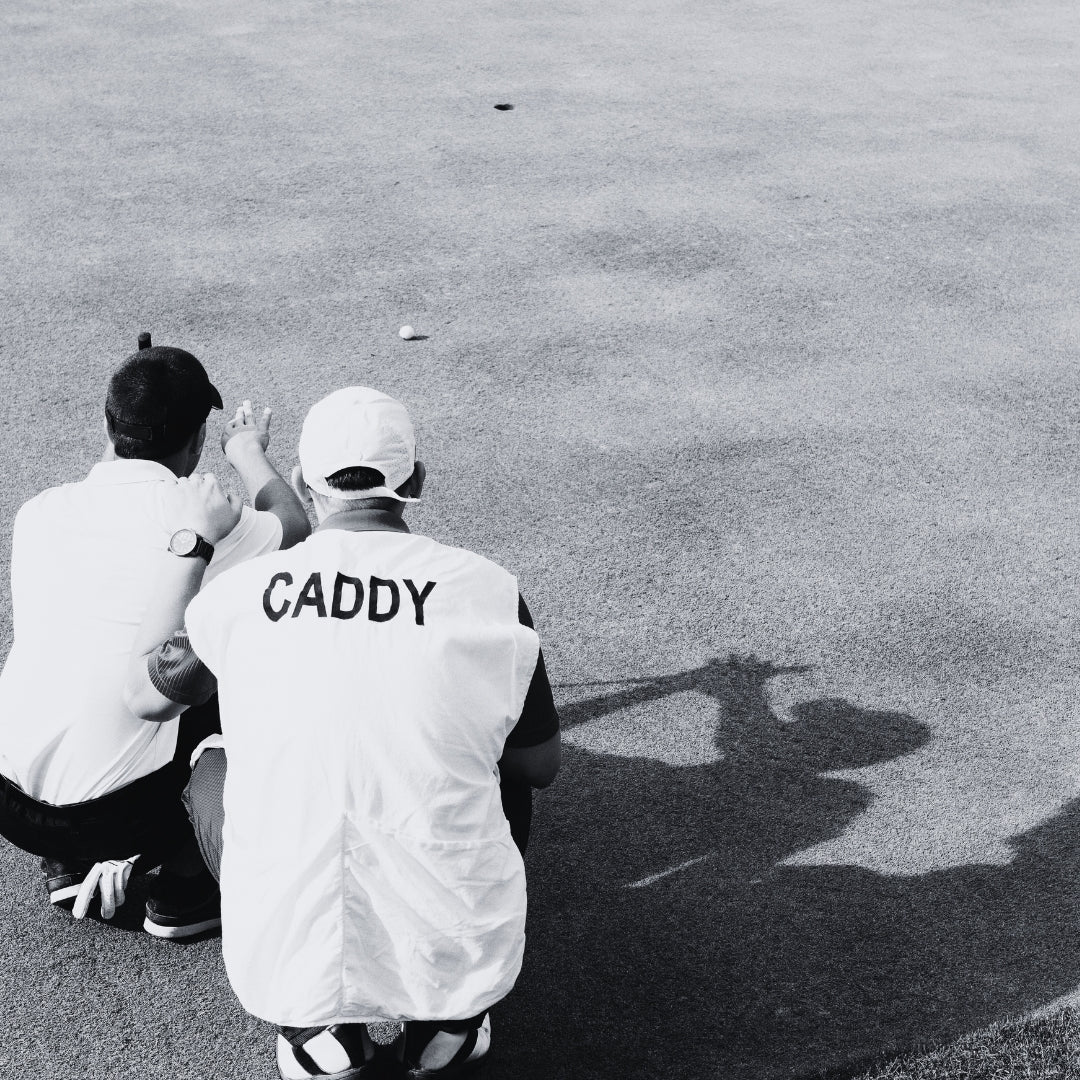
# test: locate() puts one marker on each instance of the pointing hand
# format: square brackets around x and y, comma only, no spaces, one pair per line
[246,433]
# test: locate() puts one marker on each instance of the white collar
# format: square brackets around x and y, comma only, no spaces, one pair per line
[128,471]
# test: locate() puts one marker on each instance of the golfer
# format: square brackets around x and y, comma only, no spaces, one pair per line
[84,782]
[375,686]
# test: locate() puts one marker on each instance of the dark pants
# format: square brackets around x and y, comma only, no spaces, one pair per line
[517,806]
[146,817]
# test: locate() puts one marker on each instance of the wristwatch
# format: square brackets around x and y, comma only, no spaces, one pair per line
[188,544]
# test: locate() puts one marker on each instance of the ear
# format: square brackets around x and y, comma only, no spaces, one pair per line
[200,440]
[110,447]
[415,484]
[303,492]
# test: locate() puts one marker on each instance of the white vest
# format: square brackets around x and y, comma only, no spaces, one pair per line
[368,871]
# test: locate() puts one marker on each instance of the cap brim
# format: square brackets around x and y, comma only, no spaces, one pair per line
[323,488]
[215,396]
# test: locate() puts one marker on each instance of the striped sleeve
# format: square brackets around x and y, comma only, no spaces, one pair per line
[178,674]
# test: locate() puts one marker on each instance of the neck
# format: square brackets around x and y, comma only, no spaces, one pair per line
[175,463]
[372,518]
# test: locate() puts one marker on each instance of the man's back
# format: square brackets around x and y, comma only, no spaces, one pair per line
[368,682]
[85,557]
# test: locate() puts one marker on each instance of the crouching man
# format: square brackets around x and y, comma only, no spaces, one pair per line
[83,782]
[382,696]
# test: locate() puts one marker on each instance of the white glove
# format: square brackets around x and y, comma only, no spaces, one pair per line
[111,877]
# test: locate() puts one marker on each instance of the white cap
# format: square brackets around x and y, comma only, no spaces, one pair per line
[358,427]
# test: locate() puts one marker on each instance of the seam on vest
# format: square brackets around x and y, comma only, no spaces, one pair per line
[342,972]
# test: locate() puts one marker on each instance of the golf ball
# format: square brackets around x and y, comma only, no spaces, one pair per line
[407,332]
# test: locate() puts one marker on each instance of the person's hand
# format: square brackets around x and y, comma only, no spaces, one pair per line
[244,433]
[198,502]
[110,878]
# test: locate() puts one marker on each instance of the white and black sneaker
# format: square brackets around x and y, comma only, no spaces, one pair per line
[338,1052]
[455,1050]
[181,907]
[63,880]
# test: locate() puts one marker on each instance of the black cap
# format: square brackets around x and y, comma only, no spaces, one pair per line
[159,395]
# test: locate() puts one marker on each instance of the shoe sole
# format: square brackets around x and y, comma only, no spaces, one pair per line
[367,1071]
[172,933]
[470,1069]
[373,1069]
[66,895]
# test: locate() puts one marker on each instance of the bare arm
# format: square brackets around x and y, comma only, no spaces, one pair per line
[245,441]
[198,503]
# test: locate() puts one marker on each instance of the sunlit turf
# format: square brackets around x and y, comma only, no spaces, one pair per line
[1047,1048]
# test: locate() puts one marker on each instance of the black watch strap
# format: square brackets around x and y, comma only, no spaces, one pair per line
[203,549]
[188,544]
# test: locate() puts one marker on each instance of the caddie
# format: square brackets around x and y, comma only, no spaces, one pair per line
[375,687]
[85,783]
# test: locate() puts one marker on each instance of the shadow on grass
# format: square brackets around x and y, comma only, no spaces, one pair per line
[731,965]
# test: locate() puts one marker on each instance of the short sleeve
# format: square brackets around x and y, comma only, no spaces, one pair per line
[539,720]
[258,532]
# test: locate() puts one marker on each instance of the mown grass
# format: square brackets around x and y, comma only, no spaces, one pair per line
[1047,1048]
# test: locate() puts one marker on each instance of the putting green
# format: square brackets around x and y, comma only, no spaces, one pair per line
[749,330]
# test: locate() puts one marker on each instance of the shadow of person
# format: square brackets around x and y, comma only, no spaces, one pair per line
[761,799]
[666,940]
[856,965]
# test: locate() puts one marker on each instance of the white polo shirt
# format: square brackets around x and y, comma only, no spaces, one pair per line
[368,682]
[84,562]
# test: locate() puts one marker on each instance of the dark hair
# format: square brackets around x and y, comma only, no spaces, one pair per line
[354,480]
[157,400]
[124,446]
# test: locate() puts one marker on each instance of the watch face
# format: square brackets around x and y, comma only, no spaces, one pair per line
[183,541]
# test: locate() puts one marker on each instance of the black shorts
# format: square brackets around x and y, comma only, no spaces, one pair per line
[145,817]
